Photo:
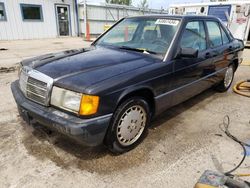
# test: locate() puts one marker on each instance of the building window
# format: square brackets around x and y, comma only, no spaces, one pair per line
[2,12]
[31,12]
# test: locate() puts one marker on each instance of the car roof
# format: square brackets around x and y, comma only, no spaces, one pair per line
[174,16]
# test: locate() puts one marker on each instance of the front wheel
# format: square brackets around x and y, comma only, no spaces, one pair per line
[128,125]
[225,84]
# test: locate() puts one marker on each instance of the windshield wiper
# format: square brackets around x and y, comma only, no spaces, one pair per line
[146,51]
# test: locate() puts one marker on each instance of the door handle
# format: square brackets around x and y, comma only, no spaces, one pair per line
[207,55]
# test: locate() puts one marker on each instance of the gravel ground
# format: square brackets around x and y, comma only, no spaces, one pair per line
[182,143]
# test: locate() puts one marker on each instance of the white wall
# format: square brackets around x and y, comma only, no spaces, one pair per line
[16,28]
[100,15]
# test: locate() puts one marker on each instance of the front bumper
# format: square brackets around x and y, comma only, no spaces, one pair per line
[90,132]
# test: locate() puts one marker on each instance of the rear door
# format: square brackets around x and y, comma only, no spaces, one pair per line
[190,73]
[221,48]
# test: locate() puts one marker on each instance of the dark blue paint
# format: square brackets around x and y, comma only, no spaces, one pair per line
[112,73]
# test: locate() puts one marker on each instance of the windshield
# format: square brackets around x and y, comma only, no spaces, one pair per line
[149,35]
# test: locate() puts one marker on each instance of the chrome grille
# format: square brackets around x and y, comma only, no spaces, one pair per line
[35,85]
[36,90]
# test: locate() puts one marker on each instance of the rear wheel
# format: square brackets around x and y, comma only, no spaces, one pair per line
[225,84]
[128,125]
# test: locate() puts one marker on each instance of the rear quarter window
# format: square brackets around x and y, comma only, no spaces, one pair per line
[231,37]
[225,38]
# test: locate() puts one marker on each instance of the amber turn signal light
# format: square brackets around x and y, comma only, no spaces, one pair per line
[89,105]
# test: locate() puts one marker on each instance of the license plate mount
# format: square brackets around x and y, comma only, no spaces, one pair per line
[25,115]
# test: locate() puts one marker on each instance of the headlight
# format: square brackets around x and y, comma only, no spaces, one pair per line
[19,69]
[75,102]
[65,99]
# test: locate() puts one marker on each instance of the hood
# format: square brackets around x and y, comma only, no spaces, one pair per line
[79,69]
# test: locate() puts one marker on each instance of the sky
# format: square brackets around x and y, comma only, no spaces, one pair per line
[155,4]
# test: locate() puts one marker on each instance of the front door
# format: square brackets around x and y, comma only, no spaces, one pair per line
[191,73]
[63,20]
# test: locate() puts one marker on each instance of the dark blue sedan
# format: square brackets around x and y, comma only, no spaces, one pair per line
[109,93]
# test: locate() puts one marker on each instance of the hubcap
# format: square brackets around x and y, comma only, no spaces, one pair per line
[228,77]
[131,125]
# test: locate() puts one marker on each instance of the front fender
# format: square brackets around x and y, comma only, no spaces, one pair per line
[134,89]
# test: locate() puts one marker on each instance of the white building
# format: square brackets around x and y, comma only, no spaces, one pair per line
[36,19]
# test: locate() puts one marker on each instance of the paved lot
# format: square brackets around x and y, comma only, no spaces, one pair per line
[183,142]
[246,55]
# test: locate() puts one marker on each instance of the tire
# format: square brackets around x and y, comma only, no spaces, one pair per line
[225,84]
[128,125]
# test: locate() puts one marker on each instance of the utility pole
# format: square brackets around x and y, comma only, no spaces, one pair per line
[85,18]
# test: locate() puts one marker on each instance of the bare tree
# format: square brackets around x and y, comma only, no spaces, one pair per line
[143,4]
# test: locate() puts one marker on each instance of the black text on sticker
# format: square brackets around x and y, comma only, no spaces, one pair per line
[167,22]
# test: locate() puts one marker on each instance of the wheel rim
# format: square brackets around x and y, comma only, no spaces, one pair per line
[131,125]
[228,77]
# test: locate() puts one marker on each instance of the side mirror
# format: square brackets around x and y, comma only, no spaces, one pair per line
[241,42]
[188,52]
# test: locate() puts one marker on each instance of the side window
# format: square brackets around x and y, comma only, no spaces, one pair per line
[225,38]
[214,34]
[194,36]
[2,12]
